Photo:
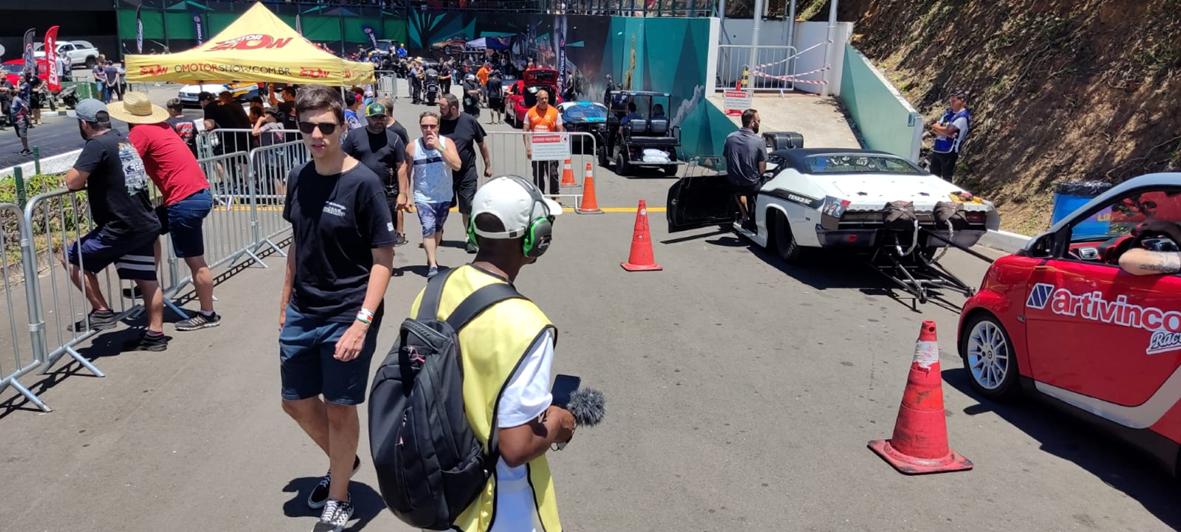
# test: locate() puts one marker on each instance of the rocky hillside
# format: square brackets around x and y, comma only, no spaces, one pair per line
[1060,90]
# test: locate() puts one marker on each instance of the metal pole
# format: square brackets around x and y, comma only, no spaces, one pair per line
[754,39]
[791,26]
[832,30]
[722,20]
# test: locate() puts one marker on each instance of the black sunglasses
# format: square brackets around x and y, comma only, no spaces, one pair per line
[326,128]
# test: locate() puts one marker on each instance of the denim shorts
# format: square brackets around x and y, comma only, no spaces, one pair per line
[432,216]
[183,220]
[306,365]
[133,254]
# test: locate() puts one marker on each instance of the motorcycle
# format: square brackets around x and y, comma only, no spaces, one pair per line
[68,96]
[432,87]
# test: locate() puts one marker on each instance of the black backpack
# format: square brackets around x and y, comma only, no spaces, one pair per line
[429,464]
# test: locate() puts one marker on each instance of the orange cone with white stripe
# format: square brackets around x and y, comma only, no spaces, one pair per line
[919,444]
[589,205]
[640,259]
[568,175]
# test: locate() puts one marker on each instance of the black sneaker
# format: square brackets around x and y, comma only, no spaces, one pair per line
[148,342]
[472,247]
[27,152]
[319,494]
[199,321]
[132,293]
[99,320]
[335,517]
[400,240]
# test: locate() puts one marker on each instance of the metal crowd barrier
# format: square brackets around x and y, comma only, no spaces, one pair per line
[248,191]
[229,140]
[509,156]
[772,70]
[387,84]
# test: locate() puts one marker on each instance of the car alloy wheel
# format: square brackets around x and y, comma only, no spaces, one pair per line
[989,357]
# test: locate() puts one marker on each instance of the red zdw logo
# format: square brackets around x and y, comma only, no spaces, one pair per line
[253,41]
[152,70]
[305,72]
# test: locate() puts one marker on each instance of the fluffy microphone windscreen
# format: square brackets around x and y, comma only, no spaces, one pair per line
[587,406]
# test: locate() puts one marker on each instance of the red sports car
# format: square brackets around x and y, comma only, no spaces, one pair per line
[522,95]
[14,67]
[1060,319]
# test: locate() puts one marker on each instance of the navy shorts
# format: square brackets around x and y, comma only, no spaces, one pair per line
[183,220]
[133,254]
[432,216]
[306,365]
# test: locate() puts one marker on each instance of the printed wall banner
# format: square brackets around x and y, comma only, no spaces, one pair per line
[50,46]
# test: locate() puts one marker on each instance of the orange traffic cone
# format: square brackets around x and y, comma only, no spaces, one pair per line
[589,205]
[568,175]
[640,259]
[919,444]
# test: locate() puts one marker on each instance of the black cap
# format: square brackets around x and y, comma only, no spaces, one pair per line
[205,96]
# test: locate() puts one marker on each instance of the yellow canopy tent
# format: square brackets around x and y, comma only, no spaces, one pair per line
[257,47]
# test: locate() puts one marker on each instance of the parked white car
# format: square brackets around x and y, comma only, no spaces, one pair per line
[80,52]
[242,91]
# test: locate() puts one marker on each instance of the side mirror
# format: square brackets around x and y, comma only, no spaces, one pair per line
[1041,246]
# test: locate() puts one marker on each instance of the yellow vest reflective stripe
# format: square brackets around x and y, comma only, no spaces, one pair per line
[492,345]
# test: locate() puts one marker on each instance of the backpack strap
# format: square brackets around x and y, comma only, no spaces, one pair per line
[428,309]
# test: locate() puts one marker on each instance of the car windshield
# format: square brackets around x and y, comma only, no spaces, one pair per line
[859,164]
[589,113]
[14,69]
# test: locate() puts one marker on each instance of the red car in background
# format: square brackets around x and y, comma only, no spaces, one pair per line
[14,67]
[1061,320]
[522,95]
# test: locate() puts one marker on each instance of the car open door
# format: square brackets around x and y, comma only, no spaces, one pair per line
[700,201]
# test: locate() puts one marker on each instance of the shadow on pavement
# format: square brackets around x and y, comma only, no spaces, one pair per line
[1062,435]
[367,502]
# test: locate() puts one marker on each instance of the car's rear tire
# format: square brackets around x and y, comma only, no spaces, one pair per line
[670,170]
[90,61]
[781,239]
[989,357]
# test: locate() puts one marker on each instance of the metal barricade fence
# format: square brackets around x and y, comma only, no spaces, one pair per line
[510,156]
[269,166]
[248,192]
[229,140]
[772,69]
[387,84]
[23,325]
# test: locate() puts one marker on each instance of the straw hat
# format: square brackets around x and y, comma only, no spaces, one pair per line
[136,109]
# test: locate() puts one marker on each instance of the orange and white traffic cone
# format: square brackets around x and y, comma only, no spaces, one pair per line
[640,259]
[568,175]
[590,204]
[919,444]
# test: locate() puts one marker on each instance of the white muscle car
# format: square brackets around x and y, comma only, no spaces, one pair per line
[838,198]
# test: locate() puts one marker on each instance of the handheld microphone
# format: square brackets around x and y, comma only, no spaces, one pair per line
[587,406]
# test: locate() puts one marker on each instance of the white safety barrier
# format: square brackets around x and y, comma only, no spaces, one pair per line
[773,68]
[511,154]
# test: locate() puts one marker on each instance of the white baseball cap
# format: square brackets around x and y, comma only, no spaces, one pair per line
[516,202]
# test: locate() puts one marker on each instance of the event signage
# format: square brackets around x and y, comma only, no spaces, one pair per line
[735,102]
[139,31]
[27,47]
[51,59]
[198,30]
[372,36]
[550,146]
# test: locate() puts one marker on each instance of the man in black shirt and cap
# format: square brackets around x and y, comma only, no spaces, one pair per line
[116,184]
[380,149]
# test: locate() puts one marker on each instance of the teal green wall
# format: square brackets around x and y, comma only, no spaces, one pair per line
[885,121]
[671,55]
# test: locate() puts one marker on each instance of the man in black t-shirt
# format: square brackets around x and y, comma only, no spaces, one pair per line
[391,123]
[338,268]
[126,226]
[381,150]
[466,132]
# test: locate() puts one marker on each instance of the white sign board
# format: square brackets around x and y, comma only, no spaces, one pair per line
[550,146]
[735,102]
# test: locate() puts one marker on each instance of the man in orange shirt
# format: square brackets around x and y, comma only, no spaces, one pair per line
[482,75]
[541,118]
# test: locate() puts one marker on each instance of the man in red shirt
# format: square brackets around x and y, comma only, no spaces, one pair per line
[185,191]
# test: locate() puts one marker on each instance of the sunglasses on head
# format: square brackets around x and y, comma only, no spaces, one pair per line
[326,128]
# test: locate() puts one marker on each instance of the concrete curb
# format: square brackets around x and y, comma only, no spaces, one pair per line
[1004,241]
[50,165]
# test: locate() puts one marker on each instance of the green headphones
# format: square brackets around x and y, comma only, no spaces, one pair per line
[538,233]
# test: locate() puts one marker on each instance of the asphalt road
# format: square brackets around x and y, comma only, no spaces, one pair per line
[741,393]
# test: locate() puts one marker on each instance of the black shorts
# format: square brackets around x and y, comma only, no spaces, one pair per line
[465,190]
[745,188]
